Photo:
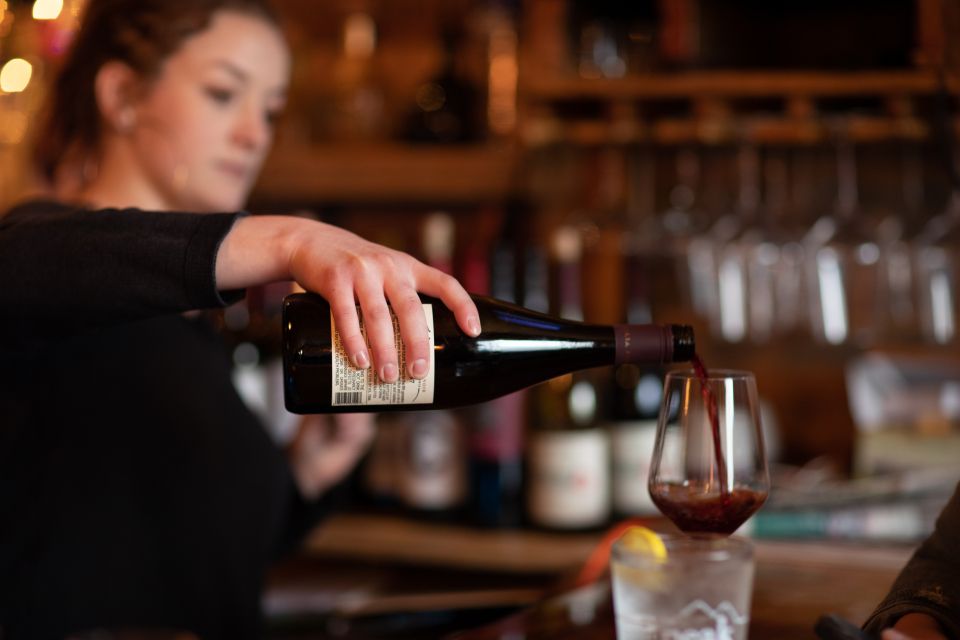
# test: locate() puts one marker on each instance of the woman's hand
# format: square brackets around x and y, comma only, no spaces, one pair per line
[326,448]
[346,270]
[915,626]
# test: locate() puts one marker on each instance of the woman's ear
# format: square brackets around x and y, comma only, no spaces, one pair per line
[114,87]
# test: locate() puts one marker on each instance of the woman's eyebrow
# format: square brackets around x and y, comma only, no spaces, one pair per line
[244,77]
[233,70]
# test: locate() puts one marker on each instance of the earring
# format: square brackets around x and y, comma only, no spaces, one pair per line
[126,120]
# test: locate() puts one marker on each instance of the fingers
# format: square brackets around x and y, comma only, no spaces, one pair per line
[413,331]
[346,269]
[348,325]
[379,326]
[440,285]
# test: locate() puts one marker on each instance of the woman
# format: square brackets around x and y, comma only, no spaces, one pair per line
[135,488]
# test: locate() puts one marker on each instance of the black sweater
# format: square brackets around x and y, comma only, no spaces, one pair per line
[136,489]
[930,583]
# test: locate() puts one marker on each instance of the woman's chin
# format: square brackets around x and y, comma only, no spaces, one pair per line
[212,202]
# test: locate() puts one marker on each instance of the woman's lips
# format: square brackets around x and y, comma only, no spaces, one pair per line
[234,169]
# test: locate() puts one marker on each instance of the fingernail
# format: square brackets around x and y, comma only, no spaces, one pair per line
[389,373]
[474,325]
[361,360]
[419,369]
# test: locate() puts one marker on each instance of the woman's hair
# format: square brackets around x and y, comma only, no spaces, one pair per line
[139,33]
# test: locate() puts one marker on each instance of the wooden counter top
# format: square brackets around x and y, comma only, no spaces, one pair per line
[795,583]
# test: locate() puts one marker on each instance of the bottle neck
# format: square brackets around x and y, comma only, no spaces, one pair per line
[653,343]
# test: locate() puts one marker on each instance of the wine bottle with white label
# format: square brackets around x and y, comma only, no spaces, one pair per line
[516,349]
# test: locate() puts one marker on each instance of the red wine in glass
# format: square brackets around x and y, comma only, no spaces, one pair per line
[694,509]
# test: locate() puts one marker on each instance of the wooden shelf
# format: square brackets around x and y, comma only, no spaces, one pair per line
[382,538]
[388,173]
[734,84]
[757,129]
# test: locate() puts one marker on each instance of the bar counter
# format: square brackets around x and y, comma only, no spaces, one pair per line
[358,573]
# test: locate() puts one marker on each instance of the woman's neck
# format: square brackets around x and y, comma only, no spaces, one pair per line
[120,182]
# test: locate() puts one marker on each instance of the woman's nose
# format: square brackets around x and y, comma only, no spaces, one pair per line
[251,129]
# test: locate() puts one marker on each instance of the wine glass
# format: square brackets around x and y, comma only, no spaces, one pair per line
[844,261]
[709,469]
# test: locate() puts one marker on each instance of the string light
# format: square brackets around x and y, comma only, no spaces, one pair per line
[15,75]
[47,9]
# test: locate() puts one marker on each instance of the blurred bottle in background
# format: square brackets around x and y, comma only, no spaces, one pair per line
[495,429]
[359,96]
[432,475]
[535,278]
[251,330]
[503,69]
[636,393]
[568,455]
[446,107]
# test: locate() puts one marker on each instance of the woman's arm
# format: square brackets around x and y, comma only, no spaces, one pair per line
[925,598]
[346,270]
[64,269]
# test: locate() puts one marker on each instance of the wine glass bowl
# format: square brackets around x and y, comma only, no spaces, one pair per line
[709,469]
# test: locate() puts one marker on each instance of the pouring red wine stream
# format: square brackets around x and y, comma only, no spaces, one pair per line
[710,400]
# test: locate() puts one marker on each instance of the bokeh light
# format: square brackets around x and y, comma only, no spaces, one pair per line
[47,9]
[359,36]
[13,126]
[15,75]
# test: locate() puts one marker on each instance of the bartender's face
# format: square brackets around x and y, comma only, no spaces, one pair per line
[205,124]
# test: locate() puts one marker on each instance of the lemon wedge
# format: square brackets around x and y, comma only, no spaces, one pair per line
[644,541]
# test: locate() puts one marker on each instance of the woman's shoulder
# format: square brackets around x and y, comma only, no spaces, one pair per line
[36,207]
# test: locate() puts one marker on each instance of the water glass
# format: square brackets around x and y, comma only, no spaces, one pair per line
[700,591]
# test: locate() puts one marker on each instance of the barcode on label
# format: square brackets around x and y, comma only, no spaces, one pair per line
[347,397]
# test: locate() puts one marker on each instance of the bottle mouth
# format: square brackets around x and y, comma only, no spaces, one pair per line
[684,346]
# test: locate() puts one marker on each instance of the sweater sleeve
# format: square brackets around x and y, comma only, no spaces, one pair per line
[930,582]
[64,269]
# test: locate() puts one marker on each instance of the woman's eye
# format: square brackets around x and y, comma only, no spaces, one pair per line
[222,96]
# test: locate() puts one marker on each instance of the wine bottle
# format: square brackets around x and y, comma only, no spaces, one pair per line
[516,349]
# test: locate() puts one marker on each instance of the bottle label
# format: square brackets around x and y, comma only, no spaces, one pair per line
[353,386]
[631,449]
[431,461]
[569,478]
